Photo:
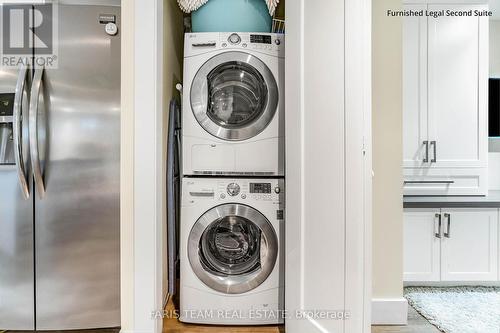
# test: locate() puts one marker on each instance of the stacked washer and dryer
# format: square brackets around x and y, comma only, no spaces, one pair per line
[232,214]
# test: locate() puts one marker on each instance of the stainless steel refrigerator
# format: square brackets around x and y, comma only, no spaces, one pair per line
[60,179]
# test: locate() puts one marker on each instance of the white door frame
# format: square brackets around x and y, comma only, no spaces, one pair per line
[148,175]
[148,165]
[306,221]
[142,160]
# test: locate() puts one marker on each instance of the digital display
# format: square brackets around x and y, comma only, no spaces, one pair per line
[261,39]
[260,187]
[6,104]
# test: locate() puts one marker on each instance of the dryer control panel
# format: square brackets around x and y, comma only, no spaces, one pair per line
[269,43]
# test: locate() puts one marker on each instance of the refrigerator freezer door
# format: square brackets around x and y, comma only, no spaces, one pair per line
[16,241]
[77,221]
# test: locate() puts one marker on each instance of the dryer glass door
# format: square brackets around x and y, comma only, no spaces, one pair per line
[234,96]
[237,94]
[233,248]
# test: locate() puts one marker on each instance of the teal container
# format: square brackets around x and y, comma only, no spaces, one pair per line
[232,16]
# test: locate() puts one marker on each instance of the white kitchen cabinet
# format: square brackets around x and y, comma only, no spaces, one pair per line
[421,245]
[445,76]
[457,89]
[415,122]
[469,247]
[451,245]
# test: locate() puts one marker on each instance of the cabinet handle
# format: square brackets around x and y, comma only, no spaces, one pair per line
[434,158]
[448,218]
[438,233]
[426,158]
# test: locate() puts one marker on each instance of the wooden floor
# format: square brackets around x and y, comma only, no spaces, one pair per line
[172,325]
[416,324]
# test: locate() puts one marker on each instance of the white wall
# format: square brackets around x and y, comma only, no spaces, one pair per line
[387,160]
[494,157]
[494,171]
[495,48]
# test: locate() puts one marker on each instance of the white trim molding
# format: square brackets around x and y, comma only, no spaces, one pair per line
[389,311]
[148,177]
[330,146]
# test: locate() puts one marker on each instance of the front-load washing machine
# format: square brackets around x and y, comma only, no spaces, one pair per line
[233,104]
[231,251]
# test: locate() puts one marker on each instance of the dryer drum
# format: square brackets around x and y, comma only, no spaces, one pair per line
[234,96]
[232,248]
[237,94]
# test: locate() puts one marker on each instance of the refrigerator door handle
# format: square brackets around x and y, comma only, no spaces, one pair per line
[20,121]
[33,128]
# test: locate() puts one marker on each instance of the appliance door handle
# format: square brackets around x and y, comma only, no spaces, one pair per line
[204,45]
[438,233]
[426,158]
[434,158]
[20,120]
[448,218]
[429,182]
[202,194]
[33,128]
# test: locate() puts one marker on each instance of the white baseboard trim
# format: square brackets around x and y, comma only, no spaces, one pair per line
[389,311]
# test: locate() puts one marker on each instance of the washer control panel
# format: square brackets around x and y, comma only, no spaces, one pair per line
[220,190]
[248,189]
[261,188]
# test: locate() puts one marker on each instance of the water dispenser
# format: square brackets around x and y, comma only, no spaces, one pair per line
[6,134]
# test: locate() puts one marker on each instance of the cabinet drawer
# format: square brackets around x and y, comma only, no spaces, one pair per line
[467,181]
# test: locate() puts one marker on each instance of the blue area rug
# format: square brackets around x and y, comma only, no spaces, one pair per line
[458,309]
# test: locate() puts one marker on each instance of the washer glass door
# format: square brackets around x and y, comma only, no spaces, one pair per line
[233,248]
[234,96]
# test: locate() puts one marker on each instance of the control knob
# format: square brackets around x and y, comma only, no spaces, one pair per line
[233,189]
[234,39]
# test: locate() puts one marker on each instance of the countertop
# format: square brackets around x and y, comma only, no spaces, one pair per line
[492,200]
